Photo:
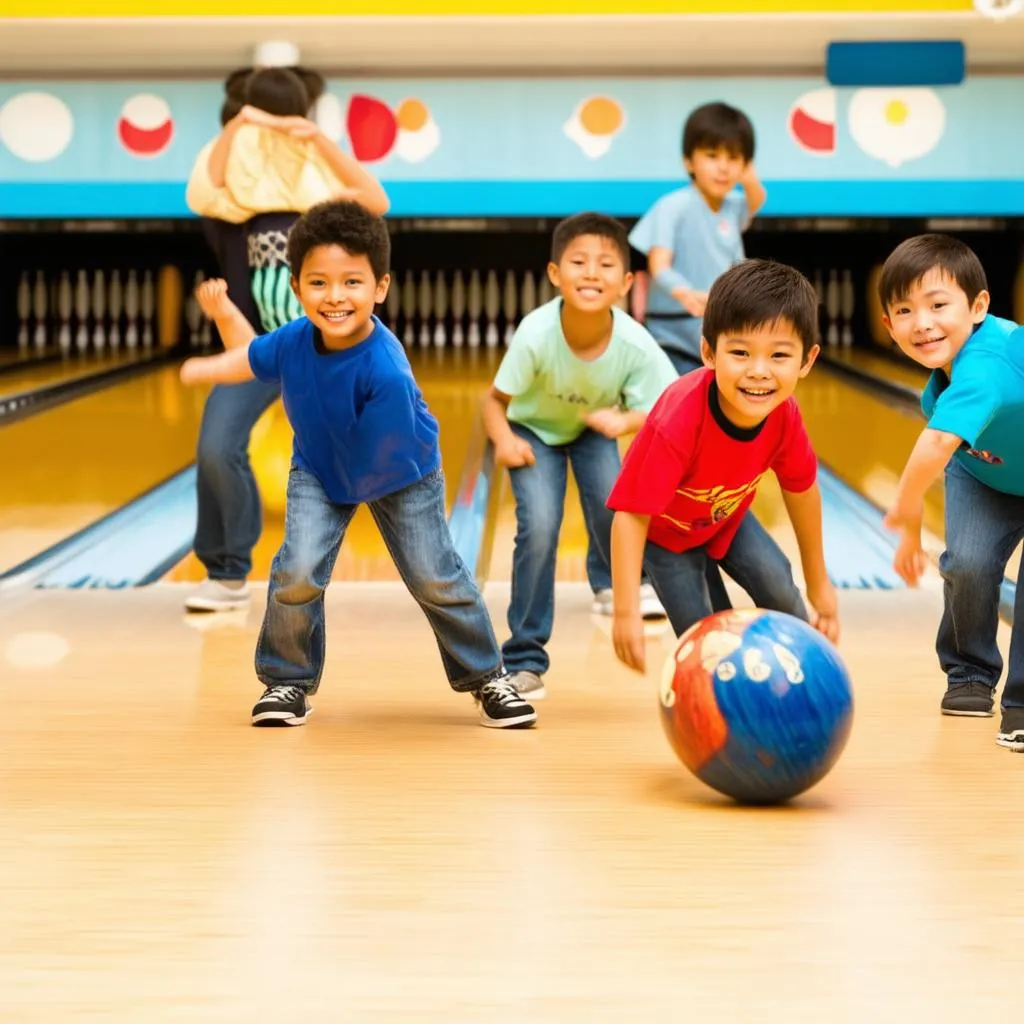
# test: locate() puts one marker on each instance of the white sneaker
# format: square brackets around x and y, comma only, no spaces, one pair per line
[528,684]
[214,596]
[650,606]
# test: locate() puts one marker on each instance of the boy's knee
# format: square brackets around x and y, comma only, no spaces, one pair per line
[967,566]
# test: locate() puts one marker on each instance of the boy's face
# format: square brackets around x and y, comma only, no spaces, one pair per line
[933,322]
[338,292]
[757,370]
[716,170]
[591,275]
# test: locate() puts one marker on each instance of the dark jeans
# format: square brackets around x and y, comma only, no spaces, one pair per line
[753,560]
[983,527]
[230,517]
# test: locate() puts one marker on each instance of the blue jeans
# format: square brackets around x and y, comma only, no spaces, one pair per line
[753,560]
[540,501]
[983,527]
[291,646]
[229,517]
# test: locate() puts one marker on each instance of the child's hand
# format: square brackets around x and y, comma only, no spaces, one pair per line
[749,175]
[628,638]
[212,296]
[191,371]
[610,422]
[910,561]
[694,302]
[514,453]
[825,602]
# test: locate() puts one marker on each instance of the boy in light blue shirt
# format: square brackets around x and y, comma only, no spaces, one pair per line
[935,301]
[692,235]
[579,374]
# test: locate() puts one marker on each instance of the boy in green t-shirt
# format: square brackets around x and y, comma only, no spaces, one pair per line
[579,374]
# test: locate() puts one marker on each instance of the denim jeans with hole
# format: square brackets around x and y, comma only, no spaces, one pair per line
[292,642]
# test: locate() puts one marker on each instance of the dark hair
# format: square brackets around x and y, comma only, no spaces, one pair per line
[235,83]
[599,224]
[343,223]
[229,110]
[758,293]
[912,259]
[718,124]
[277,91]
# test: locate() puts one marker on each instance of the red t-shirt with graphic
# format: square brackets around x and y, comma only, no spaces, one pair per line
[695,473]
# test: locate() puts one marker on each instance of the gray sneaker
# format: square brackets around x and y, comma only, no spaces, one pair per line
[1011,730]
[528,684]
[214,596]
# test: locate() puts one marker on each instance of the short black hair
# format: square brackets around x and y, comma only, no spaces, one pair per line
[912,259]
[343,223]
[759,293]
[718,124]
[599,224]
[277,91]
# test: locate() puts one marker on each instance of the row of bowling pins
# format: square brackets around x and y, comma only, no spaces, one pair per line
[88,314]
[837,295]
[473,309]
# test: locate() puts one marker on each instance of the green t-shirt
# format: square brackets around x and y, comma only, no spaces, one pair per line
[553,389]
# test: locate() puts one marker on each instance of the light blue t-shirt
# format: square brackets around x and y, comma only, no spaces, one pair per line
[983,403]
[703,243]
[361,425]
[553,389]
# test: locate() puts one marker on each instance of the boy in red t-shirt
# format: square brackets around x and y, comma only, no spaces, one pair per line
[692,471]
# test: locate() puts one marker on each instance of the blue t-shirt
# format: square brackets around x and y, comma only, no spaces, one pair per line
[983,402]
[361,425]
[703,243]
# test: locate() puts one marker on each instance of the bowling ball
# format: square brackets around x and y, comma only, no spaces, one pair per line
[757,704]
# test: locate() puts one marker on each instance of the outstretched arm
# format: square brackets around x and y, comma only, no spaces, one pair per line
[804,508]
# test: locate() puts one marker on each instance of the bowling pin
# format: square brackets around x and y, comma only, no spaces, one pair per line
[24,311]
[832,307]
[131,311]
[393,304]
[492,305]
[458,309]
[409,310]
[474,306]
[147,306]
[99,307]
[440,310]
[424,306]
[116,297]
[39,309]
[528,296]
[82,297]
[847,303]
[65,305]
[193,314]
[546,290]
[509,306]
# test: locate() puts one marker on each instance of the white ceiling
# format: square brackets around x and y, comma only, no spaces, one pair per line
[682,44]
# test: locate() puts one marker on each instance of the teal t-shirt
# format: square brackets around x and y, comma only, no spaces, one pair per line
[983,402]
[552,389]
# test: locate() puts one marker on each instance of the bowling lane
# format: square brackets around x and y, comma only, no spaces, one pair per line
[899,370]
[32,376]
[453,382]
[67,467]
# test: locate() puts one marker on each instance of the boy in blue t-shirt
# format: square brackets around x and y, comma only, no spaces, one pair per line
[692,235]
[363,434]
[935,302]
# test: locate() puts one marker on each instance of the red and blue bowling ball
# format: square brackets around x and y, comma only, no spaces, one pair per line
[757,704]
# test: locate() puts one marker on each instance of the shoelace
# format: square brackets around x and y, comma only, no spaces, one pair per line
[503,691]
[284,694]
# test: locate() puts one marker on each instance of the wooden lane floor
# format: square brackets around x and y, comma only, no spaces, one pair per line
[32,376]
[392,861]
[69,466]
[896,369]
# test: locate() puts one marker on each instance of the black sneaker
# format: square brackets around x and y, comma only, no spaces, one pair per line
[1011,730]
[282,705]
[970,700]
[501,707]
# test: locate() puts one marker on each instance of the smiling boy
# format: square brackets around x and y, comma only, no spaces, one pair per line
[935,302]
[688,480]
[363,434]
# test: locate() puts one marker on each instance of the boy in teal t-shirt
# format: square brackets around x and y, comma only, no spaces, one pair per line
[579,374]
